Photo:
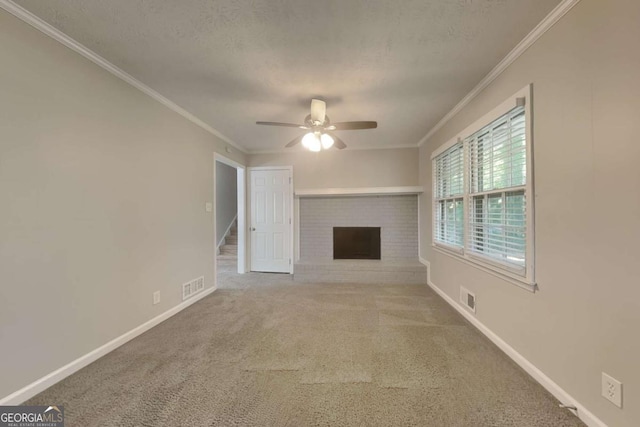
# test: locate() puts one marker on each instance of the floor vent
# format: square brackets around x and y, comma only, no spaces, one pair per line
[468,299]
[192,287]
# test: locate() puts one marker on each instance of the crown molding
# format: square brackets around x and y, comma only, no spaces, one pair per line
[554,16]
[39,24]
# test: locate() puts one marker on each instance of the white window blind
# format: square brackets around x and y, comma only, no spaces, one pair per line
[449,191]
[498,175]
[483,192]
[498,154]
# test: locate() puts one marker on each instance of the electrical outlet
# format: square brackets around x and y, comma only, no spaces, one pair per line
[612,390]
[156,297]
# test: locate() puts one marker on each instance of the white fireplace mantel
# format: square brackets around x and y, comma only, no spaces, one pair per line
[360,191]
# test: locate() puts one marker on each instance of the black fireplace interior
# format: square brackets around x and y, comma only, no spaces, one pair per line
[356,242]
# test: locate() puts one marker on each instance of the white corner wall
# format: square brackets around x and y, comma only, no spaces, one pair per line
[103,193]
[585,317]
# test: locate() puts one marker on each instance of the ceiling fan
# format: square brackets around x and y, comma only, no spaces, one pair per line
[320,135]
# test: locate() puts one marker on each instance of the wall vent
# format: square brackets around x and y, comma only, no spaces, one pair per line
[192,287]
[468,299]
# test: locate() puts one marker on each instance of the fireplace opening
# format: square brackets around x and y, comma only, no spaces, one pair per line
[356,242]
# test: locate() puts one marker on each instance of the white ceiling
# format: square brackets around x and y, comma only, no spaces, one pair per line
[404,63]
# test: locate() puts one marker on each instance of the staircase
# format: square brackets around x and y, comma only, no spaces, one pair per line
[229,249]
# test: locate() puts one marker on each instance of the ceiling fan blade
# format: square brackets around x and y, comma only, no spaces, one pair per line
[337,142]
[294,141]
[318,110]
[289,125]
[353,125]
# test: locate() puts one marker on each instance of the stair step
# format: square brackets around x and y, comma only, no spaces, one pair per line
[228,249]
[231,240]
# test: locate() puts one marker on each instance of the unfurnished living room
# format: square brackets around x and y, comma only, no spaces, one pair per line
[319,213]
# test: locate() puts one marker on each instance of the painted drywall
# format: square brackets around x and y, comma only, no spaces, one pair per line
[103,196]
[584,319]
[226,198]
[346,168]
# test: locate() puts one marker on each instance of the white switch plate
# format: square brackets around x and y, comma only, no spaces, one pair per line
[156,297]
[208,207]
[612,390]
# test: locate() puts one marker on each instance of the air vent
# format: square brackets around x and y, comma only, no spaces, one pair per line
[468,299]
[192,287]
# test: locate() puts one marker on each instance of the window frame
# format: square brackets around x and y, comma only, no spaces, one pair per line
[523,277]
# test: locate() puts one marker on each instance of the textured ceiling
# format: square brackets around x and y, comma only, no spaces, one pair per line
[404,63]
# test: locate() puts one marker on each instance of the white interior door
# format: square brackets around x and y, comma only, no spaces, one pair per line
[270,222]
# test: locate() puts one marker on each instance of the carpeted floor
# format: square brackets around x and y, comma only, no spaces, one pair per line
[264,351]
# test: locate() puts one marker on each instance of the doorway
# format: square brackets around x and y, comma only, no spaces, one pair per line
[271,219]
[230,224]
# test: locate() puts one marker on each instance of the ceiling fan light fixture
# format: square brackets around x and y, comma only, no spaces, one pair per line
[318,124]
[327,141]
[311,142]
[307,140]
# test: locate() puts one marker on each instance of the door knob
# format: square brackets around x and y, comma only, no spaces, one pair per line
[253,229]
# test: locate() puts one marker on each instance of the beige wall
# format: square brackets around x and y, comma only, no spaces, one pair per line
[103,194]
[586,106]
[345,168]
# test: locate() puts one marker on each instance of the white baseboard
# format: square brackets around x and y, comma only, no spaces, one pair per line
[50,379]
[583,413]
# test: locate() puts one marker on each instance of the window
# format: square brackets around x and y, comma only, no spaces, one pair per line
[449,167]
[482,198]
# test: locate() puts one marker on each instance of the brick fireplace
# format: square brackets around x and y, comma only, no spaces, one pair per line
[396,218]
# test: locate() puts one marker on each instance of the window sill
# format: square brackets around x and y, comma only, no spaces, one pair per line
[521,282]
[454,250]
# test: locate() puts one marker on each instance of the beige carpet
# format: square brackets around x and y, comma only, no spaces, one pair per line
[268,352]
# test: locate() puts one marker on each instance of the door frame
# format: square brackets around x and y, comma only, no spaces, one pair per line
[242,214]
[291,200]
